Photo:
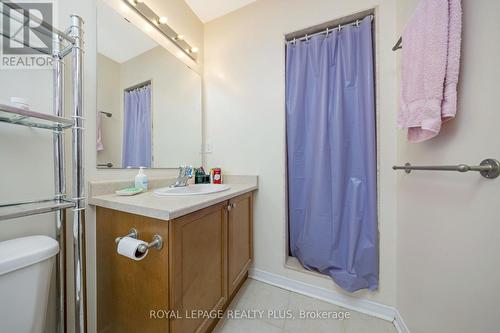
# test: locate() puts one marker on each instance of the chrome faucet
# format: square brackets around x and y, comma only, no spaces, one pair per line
[185,173]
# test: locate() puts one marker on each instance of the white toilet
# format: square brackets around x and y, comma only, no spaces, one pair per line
[25,271]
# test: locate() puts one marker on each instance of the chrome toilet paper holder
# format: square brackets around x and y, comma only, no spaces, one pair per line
[133,233]
[157,242]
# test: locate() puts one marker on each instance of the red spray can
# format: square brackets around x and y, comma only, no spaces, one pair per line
[216,174]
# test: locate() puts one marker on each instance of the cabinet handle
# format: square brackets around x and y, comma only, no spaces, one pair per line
[233,204]
[229,207]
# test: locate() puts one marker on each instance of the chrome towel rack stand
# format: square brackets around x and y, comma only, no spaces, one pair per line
[64,44]
[488,168]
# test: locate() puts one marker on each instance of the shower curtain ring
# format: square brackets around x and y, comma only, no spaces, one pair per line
[340,27]
[307,38]
[357,23]
[327,32]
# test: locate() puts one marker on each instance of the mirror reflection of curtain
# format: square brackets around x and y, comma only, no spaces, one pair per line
[137,128]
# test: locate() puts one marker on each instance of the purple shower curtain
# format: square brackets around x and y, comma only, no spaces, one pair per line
[331,147]
[137,128]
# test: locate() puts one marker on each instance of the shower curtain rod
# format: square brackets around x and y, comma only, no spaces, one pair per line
[328,30]
[138,86]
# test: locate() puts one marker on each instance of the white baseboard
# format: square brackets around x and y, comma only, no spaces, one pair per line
[356,304]
[400,324]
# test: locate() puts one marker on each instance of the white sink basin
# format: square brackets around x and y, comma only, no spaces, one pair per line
[196,189]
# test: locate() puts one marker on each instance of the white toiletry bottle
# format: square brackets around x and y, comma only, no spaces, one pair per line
[141,180]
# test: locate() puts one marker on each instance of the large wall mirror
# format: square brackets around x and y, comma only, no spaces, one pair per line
[148,101]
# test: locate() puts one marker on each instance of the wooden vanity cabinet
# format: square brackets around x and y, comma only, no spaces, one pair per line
[203,262]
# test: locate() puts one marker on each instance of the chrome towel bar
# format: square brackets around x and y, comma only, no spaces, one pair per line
[488,168]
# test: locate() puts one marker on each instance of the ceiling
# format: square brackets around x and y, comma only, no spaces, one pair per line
[210,10]
[117,38]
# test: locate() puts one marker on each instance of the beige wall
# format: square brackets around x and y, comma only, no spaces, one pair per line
[109,99]
[245,118]
[448,224]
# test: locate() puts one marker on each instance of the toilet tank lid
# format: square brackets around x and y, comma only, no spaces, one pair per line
[21,252]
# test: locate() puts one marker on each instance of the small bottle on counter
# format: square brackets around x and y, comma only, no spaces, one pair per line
[141,180]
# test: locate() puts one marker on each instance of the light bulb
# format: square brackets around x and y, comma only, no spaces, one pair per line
[163,20]
[194,49]
[179,37]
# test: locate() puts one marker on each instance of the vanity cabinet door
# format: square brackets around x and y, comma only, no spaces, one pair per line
[198,267]
[239,240]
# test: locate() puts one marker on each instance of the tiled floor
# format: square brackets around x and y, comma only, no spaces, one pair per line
[287,312]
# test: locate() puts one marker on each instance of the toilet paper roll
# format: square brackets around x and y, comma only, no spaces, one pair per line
[128,247]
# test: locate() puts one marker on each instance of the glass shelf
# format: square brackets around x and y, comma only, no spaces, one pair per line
[18,116]
[11,211]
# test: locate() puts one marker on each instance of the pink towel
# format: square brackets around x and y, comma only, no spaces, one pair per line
[99,145]
[430,67]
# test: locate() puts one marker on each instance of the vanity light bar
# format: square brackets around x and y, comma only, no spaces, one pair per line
[160,24]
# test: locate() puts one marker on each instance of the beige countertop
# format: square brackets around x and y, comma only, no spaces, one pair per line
[169,207]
